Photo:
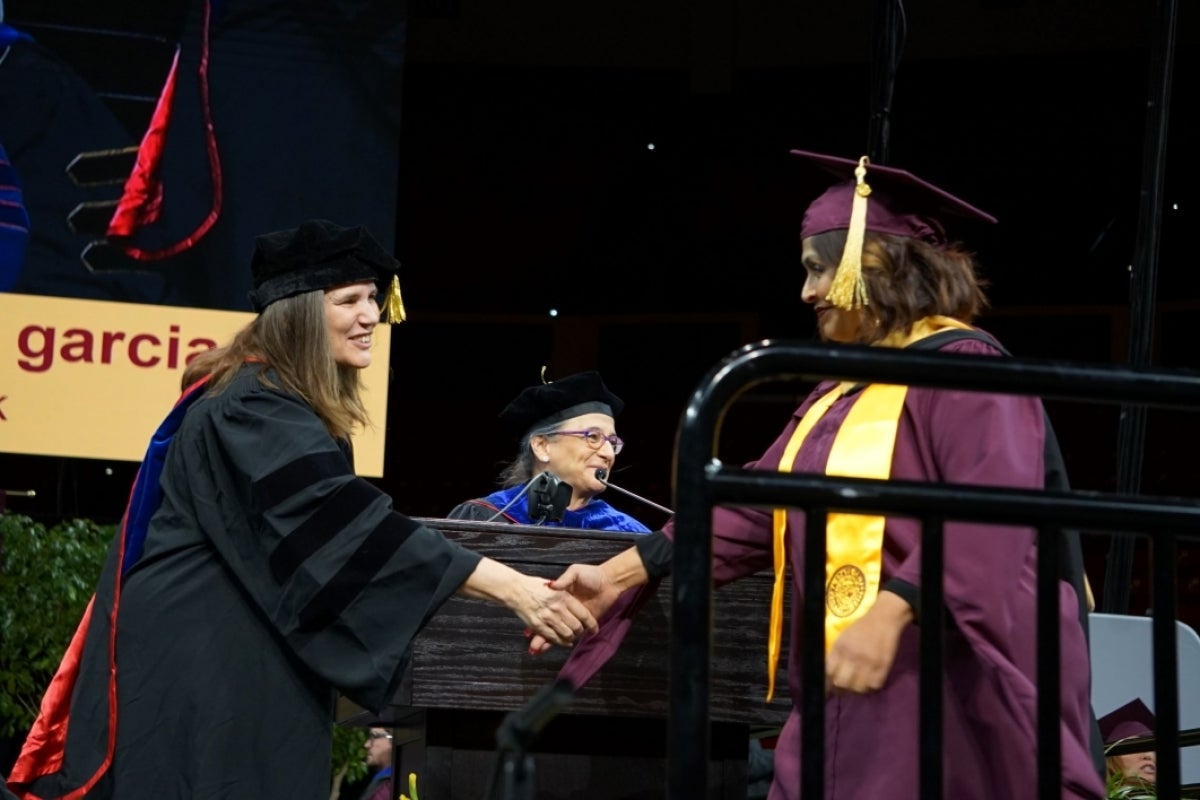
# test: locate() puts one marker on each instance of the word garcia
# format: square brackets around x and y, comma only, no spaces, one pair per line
[38,345]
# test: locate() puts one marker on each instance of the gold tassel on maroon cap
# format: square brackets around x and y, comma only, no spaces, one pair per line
[849,290]
[393,304]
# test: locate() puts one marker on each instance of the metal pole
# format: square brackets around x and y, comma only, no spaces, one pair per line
[888,31]
[1143,279]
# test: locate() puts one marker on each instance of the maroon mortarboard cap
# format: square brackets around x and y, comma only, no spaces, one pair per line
[541,406]
[900,203]
[1131,719]
[864,198]
[320,254]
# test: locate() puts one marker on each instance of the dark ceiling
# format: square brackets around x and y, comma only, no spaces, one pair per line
[527,178]
[528,129]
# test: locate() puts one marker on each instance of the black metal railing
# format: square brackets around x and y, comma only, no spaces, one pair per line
[702,482]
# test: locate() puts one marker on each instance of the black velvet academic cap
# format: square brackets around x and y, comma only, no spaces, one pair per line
[317,255]
[899,202]
[1131,719]
[541,406]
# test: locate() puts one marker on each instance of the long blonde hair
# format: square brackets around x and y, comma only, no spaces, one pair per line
[289,338]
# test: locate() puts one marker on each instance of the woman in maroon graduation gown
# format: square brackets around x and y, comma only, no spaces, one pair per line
[881,271]
[1129,775]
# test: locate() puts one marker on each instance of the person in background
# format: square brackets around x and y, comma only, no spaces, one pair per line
[379,759]
[255,575]
[882,271]
[1129,773]
[566,431]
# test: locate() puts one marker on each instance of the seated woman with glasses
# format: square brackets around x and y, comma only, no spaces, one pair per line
[566,434]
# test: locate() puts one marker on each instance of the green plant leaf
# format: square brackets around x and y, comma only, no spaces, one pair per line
[349,753]
[46,580]
[47,577]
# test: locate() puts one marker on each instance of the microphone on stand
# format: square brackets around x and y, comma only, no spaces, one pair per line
[548,499]
[602,476]
[521,726]
[517,732]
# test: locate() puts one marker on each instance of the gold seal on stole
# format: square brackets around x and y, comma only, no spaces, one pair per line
[846,590]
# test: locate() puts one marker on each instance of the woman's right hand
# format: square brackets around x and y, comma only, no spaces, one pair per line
[552,614]
[591,585]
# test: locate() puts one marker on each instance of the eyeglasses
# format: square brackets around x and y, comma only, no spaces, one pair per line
[378,735]
[595,438]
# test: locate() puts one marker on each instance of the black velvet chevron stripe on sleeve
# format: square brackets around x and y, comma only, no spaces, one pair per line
[377,548]
[272,489]
[335,514]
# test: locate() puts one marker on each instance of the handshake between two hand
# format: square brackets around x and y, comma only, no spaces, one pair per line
[579,598]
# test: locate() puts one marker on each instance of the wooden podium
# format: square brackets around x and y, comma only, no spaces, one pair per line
[470,667]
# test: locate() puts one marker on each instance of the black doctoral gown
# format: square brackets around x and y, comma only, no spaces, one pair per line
[270,577]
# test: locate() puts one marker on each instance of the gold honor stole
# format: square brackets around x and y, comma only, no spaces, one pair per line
[862,448]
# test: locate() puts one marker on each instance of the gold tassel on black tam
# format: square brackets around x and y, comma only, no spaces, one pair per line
[393,304]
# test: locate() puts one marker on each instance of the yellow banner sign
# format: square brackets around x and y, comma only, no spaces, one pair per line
[93,379]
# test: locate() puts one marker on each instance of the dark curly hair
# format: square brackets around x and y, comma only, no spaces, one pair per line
[908,279]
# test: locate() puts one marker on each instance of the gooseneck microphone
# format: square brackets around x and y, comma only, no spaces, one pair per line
[602,476]
[521,726]
[517,732]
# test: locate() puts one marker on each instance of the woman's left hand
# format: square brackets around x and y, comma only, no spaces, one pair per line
[861,658]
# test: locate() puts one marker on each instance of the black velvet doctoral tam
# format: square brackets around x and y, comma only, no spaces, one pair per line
[539,407]
[316,255]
